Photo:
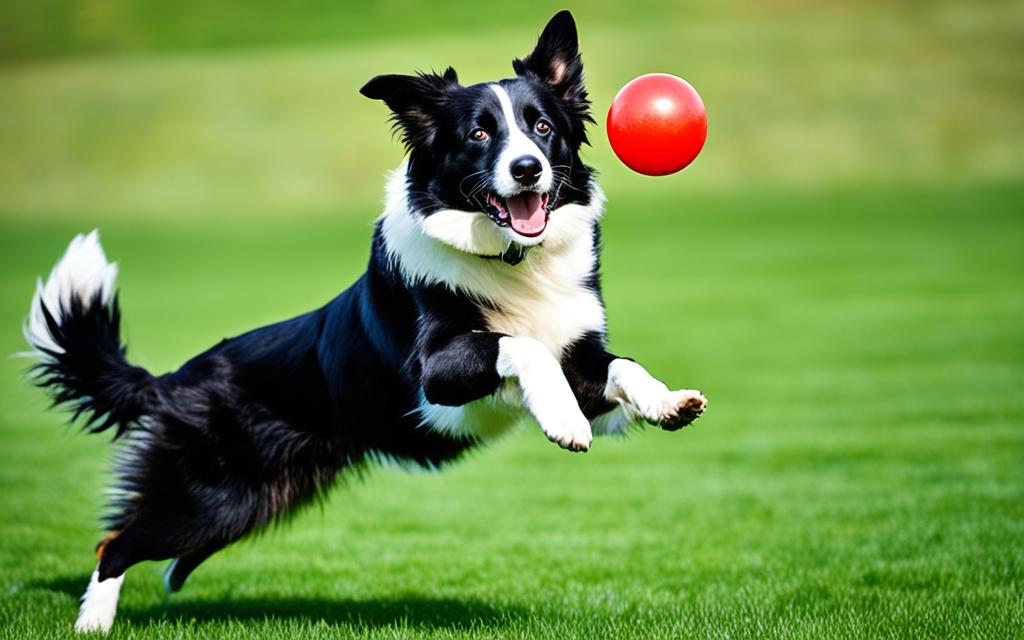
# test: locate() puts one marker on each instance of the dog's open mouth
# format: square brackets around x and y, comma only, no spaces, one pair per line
[526,212]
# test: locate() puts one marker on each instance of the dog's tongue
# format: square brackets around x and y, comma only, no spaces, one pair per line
[527,213]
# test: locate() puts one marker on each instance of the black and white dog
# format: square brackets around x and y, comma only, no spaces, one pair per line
[481,304]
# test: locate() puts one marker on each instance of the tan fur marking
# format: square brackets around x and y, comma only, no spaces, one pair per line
[101,546]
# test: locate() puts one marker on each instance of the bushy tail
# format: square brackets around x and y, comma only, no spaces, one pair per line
[74,330]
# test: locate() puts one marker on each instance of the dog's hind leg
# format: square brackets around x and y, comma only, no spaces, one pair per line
[115,554]
[99,603]
[180,569]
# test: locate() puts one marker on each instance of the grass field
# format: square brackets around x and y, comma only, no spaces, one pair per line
[841,272]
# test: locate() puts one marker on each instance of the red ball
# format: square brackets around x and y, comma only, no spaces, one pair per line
[657,124]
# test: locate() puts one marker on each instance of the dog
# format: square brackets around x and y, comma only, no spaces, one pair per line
[481,305]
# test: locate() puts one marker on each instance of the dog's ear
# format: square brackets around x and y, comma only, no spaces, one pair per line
[414,102]
[556,61]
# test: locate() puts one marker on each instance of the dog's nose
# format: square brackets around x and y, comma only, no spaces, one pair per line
[526,170]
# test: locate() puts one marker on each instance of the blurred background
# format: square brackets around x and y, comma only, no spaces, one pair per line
[143,109]
[840,271]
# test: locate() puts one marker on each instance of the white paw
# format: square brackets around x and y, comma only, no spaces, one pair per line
[680,408]
[93,624]
[99,604]
[572,432]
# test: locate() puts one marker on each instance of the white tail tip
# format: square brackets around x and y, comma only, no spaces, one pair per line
[82,273]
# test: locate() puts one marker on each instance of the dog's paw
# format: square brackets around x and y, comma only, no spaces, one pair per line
[681,408]
[572,433]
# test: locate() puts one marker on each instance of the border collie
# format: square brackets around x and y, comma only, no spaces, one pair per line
[481,304]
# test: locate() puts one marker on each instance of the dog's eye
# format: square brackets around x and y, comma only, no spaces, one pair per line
[479,135]
[543,127]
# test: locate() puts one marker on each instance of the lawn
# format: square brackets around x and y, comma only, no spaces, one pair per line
[840,272]
[859,472]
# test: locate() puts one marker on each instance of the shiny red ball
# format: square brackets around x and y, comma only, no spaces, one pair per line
[657,124]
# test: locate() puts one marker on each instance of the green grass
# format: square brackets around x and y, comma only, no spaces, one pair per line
[858,474]
[840,271]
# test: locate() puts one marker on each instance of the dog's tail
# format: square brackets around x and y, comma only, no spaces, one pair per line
[73,328]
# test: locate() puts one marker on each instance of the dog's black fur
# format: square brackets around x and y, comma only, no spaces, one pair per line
[244,433]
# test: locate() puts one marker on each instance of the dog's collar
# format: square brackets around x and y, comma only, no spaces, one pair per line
[513,255]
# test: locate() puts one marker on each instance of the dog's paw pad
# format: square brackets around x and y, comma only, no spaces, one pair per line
[575,438]
[685,406]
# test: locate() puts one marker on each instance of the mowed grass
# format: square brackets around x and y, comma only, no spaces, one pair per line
[858,473]
[840,271]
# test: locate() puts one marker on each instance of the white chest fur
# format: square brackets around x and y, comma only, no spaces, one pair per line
[545,297]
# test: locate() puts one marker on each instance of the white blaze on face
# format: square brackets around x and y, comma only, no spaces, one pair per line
[517,146]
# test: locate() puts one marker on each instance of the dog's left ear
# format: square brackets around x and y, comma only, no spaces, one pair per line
[415,102]
[556,61]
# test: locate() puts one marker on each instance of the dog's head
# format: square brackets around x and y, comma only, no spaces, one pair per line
[505,150]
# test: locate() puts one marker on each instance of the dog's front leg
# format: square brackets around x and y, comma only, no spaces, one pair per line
[545,390]
[470,366]
[616,392]
[630,383]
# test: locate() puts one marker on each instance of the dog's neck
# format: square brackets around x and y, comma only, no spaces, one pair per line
[474,232]
[548,296]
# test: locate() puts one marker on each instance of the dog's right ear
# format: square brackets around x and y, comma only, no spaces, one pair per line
[556,61]
[414,102]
